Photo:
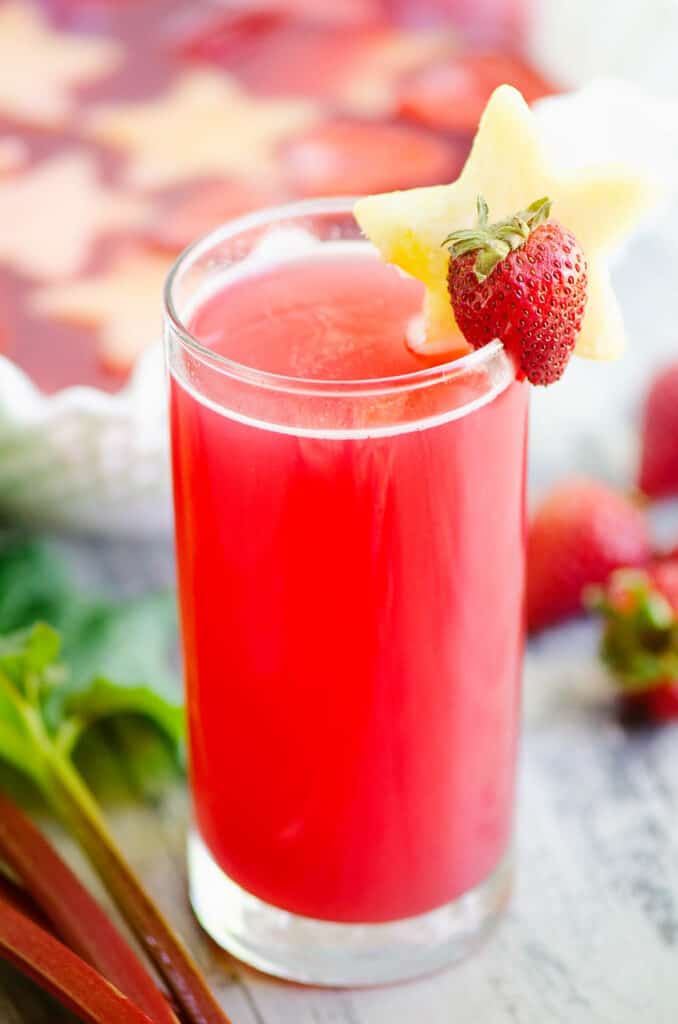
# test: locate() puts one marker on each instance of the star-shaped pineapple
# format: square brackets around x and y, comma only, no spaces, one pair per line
[123,303]
[52,215]
[508,166]
[204,126]
[40,67]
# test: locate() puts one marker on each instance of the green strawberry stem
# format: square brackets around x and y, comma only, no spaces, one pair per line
[494,242]
[639,643]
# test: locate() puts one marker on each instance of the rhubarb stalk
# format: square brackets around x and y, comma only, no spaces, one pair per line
[74,914]
[81,815]
[40,743]
[55,968]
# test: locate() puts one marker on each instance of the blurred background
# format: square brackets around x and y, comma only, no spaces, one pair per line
[129,127]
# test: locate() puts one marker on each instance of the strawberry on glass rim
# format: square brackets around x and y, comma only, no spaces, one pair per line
[523,279]
[540,286]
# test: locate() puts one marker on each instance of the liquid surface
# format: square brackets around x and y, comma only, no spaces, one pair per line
[352,618]
[327,319]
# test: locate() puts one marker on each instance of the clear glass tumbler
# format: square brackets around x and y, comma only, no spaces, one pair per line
[351,577]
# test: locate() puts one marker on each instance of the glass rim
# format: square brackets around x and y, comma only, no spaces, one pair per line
[413,380]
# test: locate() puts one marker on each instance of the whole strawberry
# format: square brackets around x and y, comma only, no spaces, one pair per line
[640,637]
[577,536]
[522,280]
[658,475]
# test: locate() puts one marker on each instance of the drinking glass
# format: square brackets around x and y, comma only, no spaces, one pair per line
[351,582]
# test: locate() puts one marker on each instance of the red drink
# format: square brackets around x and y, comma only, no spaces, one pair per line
[351,580]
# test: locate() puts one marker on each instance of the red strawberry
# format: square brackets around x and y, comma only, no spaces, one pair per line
[229,37]
[273,53]
[664,575]
[452,94]
[658,475]
[231,34]
[578,535]
[640,636]
[524,280]
[351,157]
[660,703]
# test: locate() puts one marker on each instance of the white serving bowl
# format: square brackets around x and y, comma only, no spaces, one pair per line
[83,459]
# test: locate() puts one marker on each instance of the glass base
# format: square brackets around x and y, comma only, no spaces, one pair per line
[322,953]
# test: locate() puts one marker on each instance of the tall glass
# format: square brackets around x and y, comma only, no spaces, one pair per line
[351,575]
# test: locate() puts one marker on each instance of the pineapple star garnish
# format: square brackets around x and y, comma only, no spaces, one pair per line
[508,166]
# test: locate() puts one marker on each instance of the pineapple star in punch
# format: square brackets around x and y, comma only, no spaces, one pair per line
[53,214]
[508,166]
[126,327]
[41,67]
[204,125]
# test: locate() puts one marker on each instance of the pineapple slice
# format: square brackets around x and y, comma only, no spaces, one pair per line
[507,165]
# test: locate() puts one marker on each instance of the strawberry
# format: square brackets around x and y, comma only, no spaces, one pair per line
[235,33]
[273,53]
[640,636]
[658,473]
[451,94]
[578,535]
[523,280]
[351,157]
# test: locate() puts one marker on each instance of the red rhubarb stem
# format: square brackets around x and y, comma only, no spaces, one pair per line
[75,916]
[80,813]
[55,968]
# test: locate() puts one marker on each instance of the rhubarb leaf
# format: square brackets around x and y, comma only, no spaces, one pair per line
[132,640]
[110,699]
[103,699]
[42,708]
[34,586]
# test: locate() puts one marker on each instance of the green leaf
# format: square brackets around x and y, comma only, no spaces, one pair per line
[129,641]
[105,699]
[124,760]
[112,700]
[33,649]
[26,657]
[14,740]
[33,586]
[27,670]
[131,739]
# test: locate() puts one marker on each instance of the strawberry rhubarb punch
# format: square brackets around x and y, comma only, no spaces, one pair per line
[349,390]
